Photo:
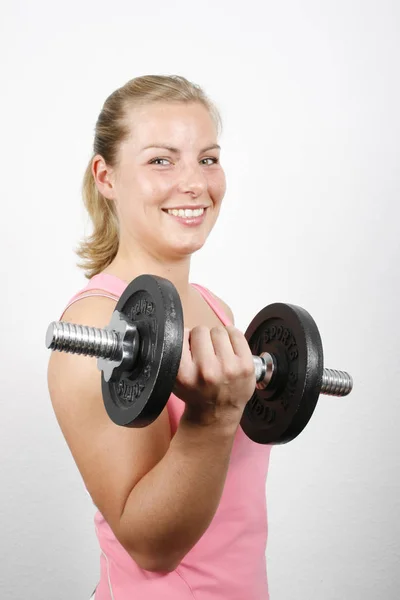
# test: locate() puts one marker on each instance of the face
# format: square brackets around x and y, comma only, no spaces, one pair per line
[168,184]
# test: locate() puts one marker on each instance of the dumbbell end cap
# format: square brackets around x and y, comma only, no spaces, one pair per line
[50,335]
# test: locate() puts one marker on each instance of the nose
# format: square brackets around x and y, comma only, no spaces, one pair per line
[192,180]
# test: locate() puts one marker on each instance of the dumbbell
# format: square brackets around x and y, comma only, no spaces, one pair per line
[140,350]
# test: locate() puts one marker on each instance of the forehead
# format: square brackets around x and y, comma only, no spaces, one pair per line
[180,124]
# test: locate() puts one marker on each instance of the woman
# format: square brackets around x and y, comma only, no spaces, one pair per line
[181,503]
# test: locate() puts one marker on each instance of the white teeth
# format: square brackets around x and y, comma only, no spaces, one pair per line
[186,213]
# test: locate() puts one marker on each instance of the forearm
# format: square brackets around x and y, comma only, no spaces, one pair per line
[171,507]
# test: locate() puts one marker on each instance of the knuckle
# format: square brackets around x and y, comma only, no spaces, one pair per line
[247,369]
[232,330]
[231,368]
[208,377]
[184,376]
[209,373]
[218,330]
[230,373]
[238,336]
[182,380]
[199,330]
[239,369]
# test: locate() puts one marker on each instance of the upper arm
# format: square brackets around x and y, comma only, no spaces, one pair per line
[111,459]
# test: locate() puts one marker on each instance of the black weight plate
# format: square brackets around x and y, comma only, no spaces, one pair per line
[279,413]
[137,398]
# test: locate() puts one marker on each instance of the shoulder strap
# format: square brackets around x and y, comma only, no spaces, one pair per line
[87,294]
[213,303]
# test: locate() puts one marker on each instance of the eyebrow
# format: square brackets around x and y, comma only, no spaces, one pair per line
[176,151]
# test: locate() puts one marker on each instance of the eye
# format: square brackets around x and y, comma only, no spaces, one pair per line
[158,161]
[213,159]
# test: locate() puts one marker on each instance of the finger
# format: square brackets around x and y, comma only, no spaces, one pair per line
[201,346]
[240,345]
[186,364]
[222,344]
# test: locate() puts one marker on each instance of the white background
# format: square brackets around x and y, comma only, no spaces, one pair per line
[309,93]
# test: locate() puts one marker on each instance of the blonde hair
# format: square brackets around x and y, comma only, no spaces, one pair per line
[99,249]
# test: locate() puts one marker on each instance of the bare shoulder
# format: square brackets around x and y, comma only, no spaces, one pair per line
[95,311]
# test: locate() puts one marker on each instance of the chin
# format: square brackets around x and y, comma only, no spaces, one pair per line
[188,248]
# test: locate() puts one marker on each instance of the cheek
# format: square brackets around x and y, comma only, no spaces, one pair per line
[217,186]
[152,186]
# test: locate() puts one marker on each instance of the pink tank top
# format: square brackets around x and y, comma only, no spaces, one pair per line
[229,560]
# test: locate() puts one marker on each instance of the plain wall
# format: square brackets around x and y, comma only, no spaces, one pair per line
[309,93]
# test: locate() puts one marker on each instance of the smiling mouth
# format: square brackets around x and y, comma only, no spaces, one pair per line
[187,213]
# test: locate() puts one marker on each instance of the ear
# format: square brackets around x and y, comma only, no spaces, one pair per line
[103,177]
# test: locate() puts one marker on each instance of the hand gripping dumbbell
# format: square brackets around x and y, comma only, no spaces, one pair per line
[140,350]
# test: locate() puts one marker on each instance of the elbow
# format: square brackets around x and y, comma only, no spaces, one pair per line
[151,558]
[155,562]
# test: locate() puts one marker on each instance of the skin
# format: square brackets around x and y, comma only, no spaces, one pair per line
[144,182]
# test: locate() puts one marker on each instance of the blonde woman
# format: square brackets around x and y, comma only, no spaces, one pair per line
[181,503]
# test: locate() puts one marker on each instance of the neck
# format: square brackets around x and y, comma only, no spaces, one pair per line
[128,265]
